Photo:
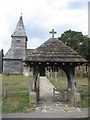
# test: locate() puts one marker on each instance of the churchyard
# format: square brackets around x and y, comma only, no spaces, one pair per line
[19,102]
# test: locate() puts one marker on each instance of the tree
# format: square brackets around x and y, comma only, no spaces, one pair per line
[77,41]
[1,60]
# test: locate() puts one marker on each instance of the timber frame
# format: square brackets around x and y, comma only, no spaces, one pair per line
[54,54]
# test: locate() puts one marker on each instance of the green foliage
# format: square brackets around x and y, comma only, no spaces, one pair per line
[60,83]
[77,41]
[88,54]
[1,60]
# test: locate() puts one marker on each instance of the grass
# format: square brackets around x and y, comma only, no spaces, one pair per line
[82,83]
[60,83]
[20,102]
[16,102]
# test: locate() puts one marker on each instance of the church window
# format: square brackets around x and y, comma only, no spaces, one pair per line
[18,41]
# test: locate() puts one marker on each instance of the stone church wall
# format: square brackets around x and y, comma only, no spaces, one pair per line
[12,67]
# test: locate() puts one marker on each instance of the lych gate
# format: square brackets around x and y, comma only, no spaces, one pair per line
[54,54]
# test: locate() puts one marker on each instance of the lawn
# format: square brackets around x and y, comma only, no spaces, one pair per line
[16,82]
[62,82]
[19,101]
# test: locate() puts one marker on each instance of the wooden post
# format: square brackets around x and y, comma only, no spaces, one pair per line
[29,89]
[4,90]
[51,73]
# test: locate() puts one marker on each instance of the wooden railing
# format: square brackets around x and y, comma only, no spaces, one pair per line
[6,92]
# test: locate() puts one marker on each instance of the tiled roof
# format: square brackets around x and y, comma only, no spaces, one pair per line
[53,50]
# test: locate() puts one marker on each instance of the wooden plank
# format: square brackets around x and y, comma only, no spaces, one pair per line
[16,92]
[16,84]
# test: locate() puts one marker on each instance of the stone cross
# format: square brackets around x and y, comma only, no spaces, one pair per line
[52,32]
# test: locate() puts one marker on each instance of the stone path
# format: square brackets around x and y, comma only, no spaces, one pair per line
[46,90]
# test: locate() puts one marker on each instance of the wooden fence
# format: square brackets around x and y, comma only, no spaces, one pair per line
[60,94]
[63,95]
[5,92]
[56,92]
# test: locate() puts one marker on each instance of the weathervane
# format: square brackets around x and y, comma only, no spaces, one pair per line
[52,32]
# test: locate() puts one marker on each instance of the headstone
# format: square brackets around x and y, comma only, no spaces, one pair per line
[66,95]
[56,75]
[26,71]
[51,73]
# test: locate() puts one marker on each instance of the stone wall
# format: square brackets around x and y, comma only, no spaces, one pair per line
[12,66]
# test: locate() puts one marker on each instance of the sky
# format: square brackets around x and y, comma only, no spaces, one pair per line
[40,17]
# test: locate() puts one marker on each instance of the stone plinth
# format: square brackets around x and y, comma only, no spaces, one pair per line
[75,99]
[33,98]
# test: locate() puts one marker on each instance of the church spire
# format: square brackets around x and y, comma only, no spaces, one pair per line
[20,29]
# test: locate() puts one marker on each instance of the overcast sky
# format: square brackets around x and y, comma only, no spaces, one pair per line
[40,16]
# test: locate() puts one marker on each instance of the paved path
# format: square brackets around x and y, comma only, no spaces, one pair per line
[74,114]
[46,104]
[46,90]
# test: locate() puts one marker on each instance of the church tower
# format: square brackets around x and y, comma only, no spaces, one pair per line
[12,61]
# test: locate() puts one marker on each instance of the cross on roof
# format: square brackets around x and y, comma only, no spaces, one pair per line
[52,32]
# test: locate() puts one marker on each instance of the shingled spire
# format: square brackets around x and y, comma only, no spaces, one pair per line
[20,29]
[12,61]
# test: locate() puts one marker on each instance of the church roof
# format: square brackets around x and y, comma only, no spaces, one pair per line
[20,29]
[54,50]
[28,52]
[14,54]
[17,53]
